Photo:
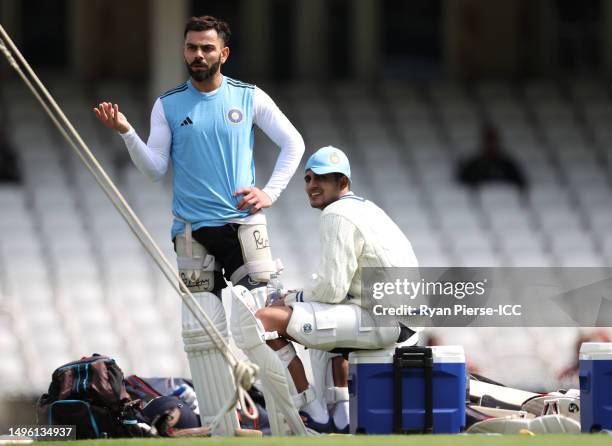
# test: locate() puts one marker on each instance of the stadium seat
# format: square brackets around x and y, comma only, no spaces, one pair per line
[63,244]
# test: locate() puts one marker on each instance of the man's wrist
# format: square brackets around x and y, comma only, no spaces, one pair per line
[126,133]
[270,195]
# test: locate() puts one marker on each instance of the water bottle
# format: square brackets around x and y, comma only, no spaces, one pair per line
[188,396]
[274,288]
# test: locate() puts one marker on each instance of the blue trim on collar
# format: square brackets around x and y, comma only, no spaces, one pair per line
[351,196]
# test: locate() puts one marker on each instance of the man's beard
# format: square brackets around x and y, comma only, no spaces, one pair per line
[201,76]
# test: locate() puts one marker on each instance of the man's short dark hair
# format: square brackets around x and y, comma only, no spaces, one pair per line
[339,176]
[206,22]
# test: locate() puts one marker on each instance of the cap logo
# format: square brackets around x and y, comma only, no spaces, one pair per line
[334,158]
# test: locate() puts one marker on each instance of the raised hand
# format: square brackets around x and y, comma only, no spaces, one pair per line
[109,115]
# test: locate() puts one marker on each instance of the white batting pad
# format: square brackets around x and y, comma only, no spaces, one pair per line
[212,377]
[249,336]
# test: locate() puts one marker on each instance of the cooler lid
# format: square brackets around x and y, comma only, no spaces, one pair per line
[596,351]
[448,353]
[441,354]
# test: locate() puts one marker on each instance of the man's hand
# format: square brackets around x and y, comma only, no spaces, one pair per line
[109,115]
[254,198]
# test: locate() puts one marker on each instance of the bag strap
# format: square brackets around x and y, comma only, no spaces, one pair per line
[412,358]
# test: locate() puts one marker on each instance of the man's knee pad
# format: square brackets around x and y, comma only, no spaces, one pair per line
[326,327]
[257,255]
[318,328]
[212,376]
[386,336]
[196,267]
[250,336]
[372,336]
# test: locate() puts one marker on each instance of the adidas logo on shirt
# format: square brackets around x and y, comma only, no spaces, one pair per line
[187,121]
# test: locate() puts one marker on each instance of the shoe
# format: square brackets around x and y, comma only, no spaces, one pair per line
[344,430]
[324,428]
[549,404]
[546,424]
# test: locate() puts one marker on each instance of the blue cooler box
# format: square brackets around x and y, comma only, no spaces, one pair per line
[595,386]
[388,390]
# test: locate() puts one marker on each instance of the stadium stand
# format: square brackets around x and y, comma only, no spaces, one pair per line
[74,280]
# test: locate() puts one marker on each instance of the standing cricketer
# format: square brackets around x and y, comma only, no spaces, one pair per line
[204,127]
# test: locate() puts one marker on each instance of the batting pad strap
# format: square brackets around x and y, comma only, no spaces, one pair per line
[206,263]
[286,354]
[270,335]
[306,397]
[257,266]
[188,238]
[335,395]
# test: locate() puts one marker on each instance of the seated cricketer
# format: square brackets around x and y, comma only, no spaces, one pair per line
[328,316]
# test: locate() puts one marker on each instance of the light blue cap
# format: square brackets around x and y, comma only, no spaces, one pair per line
[329,160]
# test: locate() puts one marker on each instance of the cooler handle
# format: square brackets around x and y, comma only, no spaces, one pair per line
[405,358]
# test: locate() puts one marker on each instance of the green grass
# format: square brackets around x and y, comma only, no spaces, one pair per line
[390,440]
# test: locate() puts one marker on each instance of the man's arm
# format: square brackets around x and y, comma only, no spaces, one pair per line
[268,117]
[150,158]
[341,246]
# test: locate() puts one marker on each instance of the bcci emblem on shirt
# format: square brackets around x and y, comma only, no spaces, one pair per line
[235,116]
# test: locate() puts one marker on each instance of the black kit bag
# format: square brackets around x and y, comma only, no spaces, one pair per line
[90,394]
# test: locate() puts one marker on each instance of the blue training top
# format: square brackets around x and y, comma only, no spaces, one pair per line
[212,151]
